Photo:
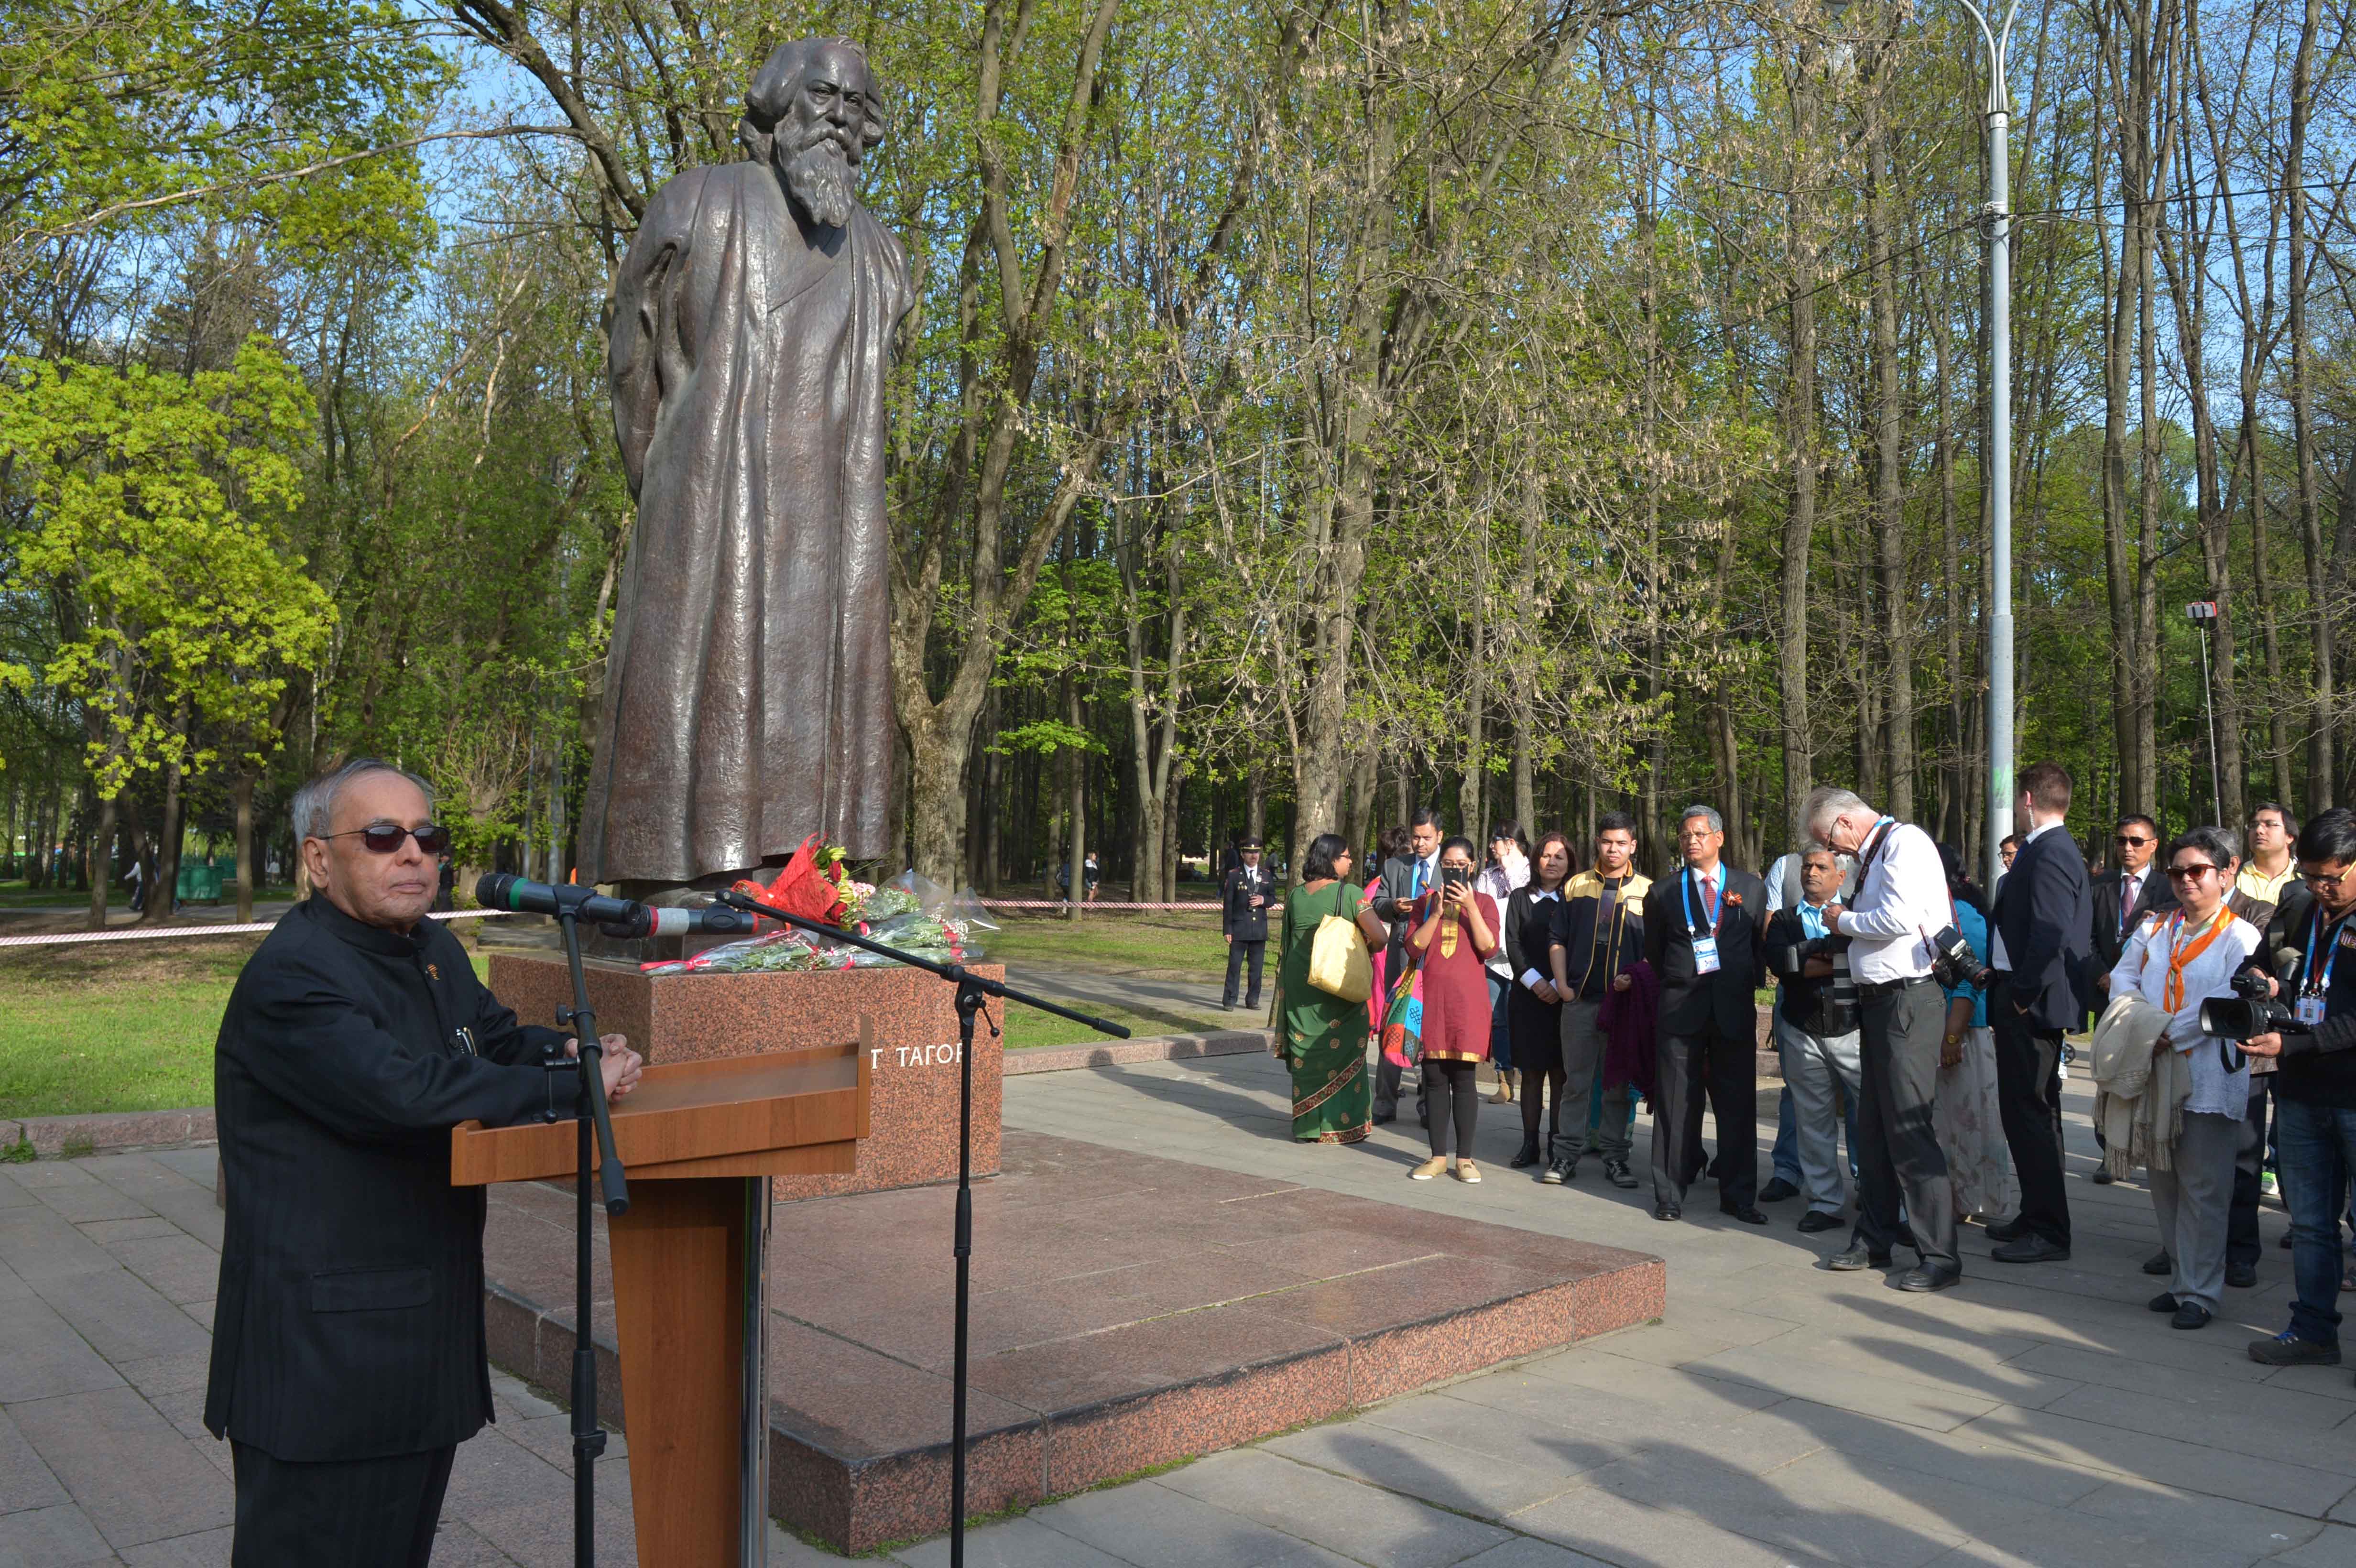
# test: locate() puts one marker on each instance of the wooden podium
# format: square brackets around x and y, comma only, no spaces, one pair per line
[700,1141]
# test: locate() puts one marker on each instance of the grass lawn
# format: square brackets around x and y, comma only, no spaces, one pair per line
[129,1026]
[1027,1027]
[1166,944]
[116,1025]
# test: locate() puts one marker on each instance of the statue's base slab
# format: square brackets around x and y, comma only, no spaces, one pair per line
[1127,1312]
[913,1095]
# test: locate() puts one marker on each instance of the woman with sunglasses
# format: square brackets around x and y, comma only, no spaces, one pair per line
[2177,962]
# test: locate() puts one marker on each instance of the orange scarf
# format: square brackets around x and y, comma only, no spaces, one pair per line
[2171,994]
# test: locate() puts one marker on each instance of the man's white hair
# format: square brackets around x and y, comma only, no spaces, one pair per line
[315,804]
[1823,804]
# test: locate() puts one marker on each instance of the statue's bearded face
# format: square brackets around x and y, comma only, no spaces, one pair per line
[820,138]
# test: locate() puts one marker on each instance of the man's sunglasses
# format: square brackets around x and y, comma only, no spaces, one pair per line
[2127,841]
[2319,880]
[387,837]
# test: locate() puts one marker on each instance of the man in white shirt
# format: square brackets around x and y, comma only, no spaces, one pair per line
[2269,868]
[1902,902]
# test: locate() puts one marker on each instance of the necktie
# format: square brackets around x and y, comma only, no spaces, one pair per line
[1710,900]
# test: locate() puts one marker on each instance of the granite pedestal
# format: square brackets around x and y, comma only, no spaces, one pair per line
[1127,1312]
[914,1065]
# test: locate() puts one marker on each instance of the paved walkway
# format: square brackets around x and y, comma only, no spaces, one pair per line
[1780,1413]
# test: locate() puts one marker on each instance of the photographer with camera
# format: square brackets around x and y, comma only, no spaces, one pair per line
[2177,963]
[2308,1020]
[1900,930]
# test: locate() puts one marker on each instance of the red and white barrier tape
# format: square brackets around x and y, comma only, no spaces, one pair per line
[142,933]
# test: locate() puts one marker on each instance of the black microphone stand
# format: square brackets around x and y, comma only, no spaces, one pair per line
[589,1113]
[971,989]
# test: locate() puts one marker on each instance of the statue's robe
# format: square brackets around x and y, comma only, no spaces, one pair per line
[748,699]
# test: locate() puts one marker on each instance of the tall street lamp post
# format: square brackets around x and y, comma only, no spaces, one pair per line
[1995,221]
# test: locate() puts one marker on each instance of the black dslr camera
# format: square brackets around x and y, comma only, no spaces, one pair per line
[2250,1011]
[1953,963]
[1790,959]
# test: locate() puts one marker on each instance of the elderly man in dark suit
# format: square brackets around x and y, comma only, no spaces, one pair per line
[347,1360]
[1704,931]
[2120,899]
[2040,949]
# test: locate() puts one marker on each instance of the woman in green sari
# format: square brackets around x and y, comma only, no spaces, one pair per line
[1323,1037]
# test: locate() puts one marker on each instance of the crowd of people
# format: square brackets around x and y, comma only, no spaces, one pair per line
[1924,1027]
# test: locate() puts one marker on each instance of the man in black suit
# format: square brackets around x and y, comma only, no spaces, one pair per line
[1404,881]
[2120,899]
[1703,936]
[347,1358]
[2043,941]
[1243,919]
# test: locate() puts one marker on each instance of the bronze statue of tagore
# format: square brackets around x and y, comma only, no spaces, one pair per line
[748,699]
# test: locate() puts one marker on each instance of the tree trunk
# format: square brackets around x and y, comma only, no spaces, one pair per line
[168,851]
[1076,841]
[2319,747]
[1800,455]
[241,798]
[102,865]
[1888,485]
[1470,790]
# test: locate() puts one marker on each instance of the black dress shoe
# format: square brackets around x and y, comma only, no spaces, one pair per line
[2241,1276]
[1778,1189]
[1380,1120]
[2010,1230]
[1526,1156]
[2164,1302]
[2160,1263]
[1667,1211]
[2103,1177]
[1816,1220]
[1748,1216]
[1856,1258]
[1920,1280]
[2031,1250]
[2191,1315]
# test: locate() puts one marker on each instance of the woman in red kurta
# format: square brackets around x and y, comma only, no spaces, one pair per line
[1451,937]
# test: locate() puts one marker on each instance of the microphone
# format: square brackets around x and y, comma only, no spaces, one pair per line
[615,917]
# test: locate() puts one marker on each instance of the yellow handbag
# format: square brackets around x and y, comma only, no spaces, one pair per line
[1338,962]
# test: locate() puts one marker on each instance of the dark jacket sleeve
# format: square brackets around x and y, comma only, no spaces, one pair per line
[1517,957]
[1227,903]
[500,1038]
[304,1039]
[2050,904]
[1656,926]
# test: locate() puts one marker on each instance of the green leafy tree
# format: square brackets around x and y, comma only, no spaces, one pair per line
[156,506]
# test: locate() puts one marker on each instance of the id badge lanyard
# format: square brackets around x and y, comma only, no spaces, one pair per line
[2313,987]
[1704,948]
